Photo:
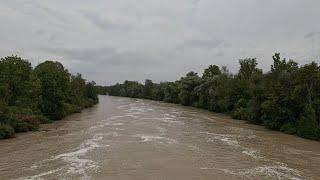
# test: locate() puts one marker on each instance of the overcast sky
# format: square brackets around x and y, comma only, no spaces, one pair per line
[112,40]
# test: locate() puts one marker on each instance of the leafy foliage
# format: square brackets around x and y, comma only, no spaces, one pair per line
[287,98]
[29,97]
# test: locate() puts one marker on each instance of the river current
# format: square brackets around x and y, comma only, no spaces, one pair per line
[124,138]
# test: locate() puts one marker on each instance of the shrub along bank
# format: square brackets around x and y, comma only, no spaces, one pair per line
[31,96]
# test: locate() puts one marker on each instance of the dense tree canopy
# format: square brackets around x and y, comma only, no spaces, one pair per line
[55,81]
[15,76]
[287,98]
[30,96]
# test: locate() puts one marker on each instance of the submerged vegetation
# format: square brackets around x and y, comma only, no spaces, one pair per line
[287,98]
[31,96]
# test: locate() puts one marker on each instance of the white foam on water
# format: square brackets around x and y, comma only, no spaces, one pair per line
[252,153]
[136,109]
[197,149]
[279,171]
[176,112]
[117,124]
[34,167]
[109,122]
[41,175]
[163,119]
[115,117]
[162,130]
[170,115]
[231,140]
[150,118]
[119,117]
[224,138]
[76,163]
[207,168]
[105,124]
[123,106]
[252,136]
[98,126]
[114,134]
[170,120]
[135,113]
[157,139]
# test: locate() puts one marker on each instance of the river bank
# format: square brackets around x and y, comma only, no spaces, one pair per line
[285,98]
[123,138]
[30,96]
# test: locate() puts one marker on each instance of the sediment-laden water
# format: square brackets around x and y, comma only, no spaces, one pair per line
[125,138]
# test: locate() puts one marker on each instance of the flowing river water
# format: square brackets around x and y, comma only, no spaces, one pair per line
[123,138]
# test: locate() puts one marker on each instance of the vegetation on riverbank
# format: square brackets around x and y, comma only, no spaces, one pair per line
[287,98]
[31,96]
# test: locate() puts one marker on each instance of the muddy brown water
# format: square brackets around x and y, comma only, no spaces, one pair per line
[125,138]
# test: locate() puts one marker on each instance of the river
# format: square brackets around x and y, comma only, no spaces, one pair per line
[124,138]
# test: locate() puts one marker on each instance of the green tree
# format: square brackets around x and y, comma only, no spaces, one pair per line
[207,86]
[90,92]
[54,87]
[246,104]
[211,72]
[158,91]
[287,98]
[148,89]
[307,124]
[248,67]
[77,90]
[171,92]
[281,106]
[27,94]
[15,79]
[187,84]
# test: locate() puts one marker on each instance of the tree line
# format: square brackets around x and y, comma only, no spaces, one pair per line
[31,96]
[286,98]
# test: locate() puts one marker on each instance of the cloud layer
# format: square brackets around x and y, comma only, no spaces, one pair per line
[110,41]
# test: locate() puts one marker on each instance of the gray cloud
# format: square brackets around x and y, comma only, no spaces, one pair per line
[106,56]
[103,22]
[87,55]
[311,35]
[110,41]
[205,43]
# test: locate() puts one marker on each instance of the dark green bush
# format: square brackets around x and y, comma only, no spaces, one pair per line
[289,128]
[307,125]
[19,126]
[31,96]
[240,113]
[43,120]
[6,131]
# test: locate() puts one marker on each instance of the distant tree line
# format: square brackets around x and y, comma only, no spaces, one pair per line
[287,98]
[31,96]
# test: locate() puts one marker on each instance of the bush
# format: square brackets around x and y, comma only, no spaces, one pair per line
[31,96]
[6,131]
[89,103]
[307,125]
[25,123]
[19,126]
[33,122]
[43,120]
[289,128]
[240,113]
